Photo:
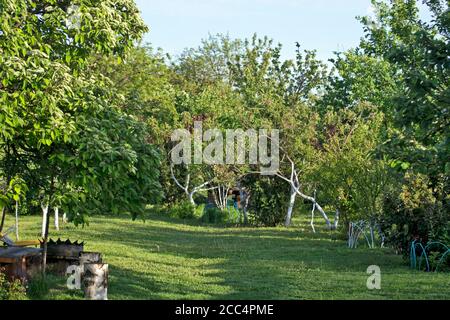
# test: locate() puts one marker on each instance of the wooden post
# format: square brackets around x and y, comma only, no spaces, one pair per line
[95,281]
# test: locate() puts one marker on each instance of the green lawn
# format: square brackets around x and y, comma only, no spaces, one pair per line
[167,258]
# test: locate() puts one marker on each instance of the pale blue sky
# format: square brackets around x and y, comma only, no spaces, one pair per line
[324,25]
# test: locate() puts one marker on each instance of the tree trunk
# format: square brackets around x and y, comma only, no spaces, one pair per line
[191,197]
[57,219]
[4,209]
[336,219]
[44,219]
[3,218]
[324,215]
[243,203]
[312,216]
[45,236]
[287,223]
[221,201]
[95,281]
[17,221]
[372,236]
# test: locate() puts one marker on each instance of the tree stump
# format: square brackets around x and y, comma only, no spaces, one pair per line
[95,281]
[90,257]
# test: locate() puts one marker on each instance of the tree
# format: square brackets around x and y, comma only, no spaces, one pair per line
[281,95]
[348,174]
[55,113]
[418,52]
[401,66]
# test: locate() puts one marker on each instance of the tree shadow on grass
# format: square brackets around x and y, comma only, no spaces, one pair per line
[167,259]
[234,263]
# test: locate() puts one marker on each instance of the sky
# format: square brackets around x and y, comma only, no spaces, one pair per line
[324,25]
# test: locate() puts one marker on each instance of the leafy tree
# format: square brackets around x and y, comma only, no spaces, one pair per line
[401,66]
[418,52]
[348,175]
[60,121]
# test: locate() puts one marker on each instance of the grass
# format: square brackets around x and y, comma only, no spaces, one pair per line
[166,258]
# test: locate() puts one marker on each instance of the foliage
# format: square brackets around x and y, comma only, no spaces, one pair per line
[268,200]
[414,213]
[182,210]
[114,164]
[63,130]
[360,78]
[417,52]
[347,174]
[401,66]
[214,215]
[38,286]
[11,290]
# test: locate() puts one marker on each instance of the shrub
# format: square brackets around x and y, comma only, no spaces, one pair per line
[198,211]
[268,201]
[233,216]
[415,212]
[213,215]
[11,290]
[183,210]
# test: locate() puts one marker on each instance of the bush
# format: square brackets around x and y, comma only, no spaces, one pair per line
[198,212]
[414,212]
[233,216]
[268,201]
[11,290]
[183,210]
[213,215]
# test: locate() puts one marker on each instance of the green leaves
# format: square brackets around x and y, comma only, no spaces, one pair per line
[417,54]
[59,120]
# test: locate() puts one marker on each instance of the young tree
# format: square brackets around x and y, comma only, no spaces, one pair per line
[347,172]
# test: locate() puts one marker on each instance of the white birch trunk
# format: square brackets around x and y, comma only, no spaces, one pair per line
[191,197]
[222,197]
[372,236]
[185,188]
[17,221]
[336,219]
[57,219]
[287,223]
[312,218]
[324,215]
[44,218]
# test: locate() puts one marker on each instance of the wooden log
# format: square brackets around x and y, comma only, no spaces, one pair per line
[95,281]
